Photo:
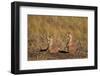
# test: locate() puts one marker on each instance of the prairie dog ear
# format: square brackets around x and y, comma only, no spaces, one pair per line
[69,33]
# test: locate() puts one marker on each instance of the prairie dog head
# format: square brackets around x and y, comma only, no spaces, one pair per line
[50,39]
[69,36]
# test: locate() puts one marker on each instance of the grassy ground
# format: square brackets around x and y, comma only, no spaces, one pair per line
[39,27]
[45,55]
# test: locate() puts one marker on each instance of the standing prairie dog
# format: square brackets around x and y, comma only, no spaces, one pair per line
[72,45]
[52,47]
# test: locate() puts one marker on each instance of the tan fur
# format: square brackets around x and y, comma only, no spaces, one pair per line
[53,48]
[72,45]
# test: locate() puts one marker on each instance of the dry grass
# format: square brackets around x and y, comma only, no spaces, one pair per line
[39,27]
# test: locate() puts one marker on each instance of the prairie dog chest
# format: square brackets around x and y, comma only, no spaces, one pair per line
[50,42]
